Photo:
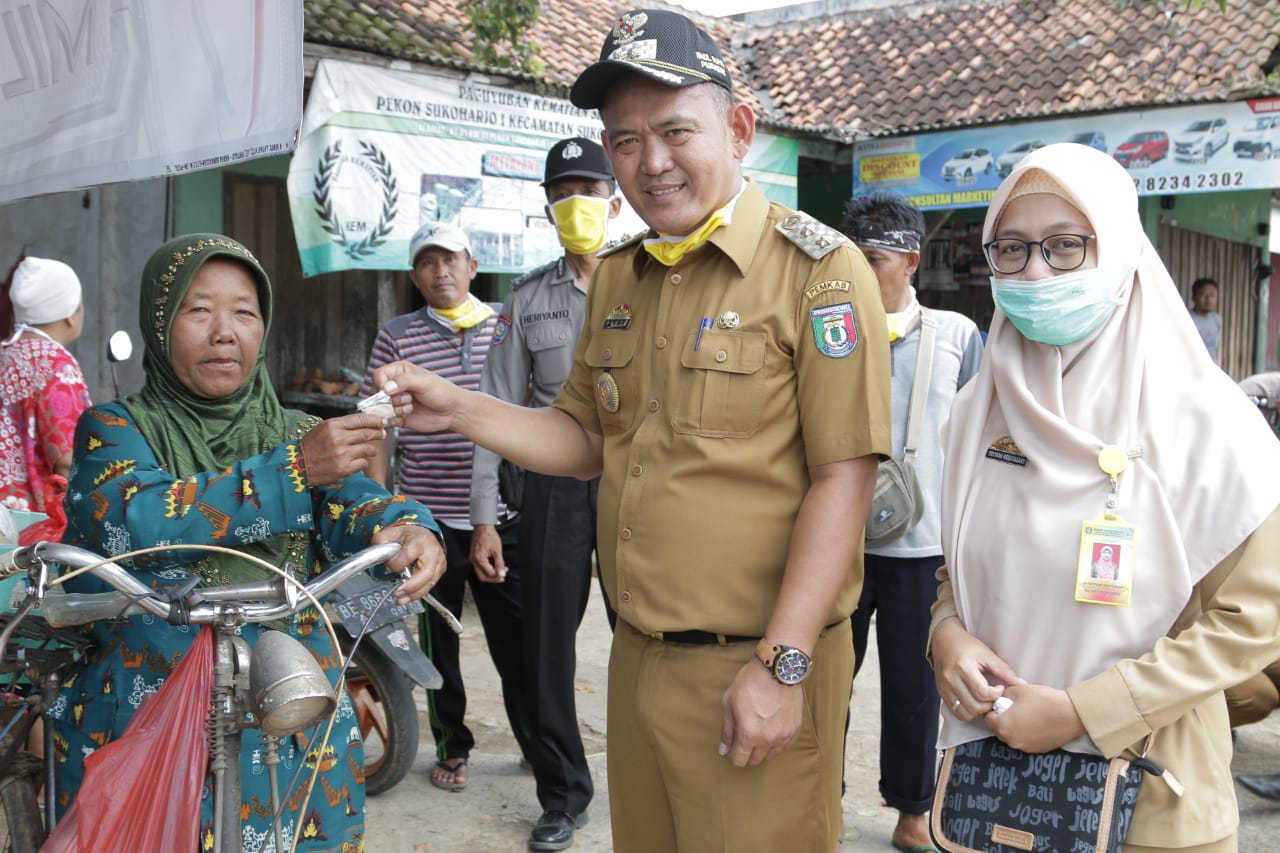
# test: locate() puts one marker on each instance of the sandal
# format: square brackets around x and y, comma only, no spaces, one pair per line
[458,770]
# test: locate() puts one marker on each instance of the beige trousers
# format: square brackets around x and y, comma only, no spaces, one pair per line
[670,789]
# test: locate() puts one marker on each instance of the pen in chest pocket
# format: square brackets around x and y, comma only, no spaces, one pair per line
[702,327]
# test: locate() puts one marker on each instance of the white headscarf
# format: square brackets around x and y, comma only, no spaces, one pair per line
[1204,481]
[43,291]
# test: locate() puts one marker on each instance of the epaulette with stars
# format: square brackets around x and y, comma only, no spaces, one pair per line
[619,245]
[814,239]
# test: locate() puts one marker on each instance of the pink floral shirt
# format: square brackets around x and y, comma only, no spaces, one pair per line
[42,393]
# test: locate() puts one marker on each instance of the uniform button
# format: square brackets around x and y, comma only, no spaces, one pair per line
[721,355]
[676,278]
[625,533]
[653,405]
[626,595]
[637,470]
[662,343]
[562,336]
[608,352]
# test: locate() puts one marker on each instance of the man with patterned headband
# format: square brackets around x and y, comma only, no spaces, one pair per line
[899,580]
[731,387]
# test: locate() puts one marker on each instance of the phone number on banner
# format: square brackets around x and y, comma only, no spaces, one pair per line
[1192,182]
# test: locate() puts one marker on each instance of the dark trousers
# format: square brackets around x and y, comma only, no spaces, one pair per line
[900,590]
[498,605]
[557,537]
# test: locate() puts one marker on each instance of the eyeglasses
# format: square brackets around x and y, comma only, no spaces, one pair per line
[1063,252]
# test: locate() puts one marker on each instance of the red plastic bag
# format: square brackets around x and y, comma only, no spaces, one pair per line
[49,530]
[142,790]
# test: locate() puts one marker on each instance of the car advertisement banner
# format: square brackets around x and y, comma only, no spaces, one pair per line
[94,93]
[384,152]
[1203,148]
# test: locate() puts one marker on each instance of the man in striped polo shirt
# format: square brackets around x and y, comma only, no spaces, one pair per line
[451,336]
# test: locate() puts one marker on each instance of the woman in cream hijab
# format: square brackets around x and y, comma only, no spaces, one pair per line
[1093,369]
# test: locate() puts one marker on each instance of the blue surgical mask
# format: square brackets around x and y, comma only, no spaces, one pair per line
[1059,310]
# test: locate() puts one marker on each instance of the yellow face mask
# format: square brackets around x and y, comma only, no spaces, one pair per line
[472,312]
[581,221]
[669,252]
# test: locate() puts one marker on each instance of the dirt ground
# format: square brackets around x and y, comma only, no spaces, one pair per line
[498,807]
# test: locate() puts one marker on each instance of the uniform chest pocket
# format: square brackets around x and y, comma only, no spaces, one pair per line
[722,385]
[551,347]
[611,357]
[544,336]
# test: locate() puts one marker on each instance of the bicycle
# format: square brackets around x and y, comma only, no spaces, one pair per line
[30,678]
[250,687]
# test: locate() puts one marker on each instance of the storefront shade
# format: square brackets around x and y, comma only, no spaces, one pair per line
[1203,148]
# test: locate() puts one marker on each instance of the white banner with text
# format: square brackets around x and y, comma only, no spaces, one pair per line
[93,92]
[384,152]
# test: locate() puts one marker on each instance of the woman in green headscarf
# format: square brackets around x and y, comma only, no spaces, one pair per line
[206,454]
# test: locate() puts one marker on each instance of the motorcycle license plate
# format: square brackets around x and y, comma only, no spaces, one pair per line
[363,604]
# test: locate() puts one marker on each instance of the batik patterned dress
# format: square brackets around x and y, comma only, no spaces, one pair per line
[42,393]
[120,499]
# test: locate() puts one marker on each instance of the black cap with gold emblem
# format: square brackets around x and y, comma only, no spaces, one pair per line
[577,157]
[664,46]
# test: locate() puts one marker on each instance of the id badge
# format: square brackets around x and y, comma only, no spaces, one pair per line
[1104,573]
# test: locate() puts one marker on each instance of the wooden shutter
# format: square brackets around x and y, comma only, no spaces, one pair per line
[1190,255]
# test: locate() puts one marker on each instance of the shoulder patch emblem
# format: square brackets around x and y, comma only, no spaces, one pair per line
[835,332]
[814,239]
[501,329]
[826,287]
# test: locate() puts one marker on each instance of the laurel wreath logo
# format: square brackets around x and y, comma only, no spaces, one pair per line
[327,170]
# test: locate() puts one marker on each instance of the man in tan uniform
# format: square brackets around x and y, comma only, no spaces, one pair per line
[731,387]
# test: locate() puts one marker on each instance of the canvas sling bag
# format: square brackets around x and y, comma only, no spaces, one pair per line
[897,504]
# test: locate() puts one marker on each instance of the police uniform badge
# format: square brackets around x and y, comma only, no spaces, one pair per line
[501,329]
[835,331]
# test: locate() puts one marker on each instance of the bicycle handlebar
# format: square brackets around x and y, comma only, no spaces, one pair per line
[262,601]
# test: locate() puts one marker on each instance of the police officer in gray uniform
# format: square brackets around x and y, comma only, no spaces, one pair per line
[532,351]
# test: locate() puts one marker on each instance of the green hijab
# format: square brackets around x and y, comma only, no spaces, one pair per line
[190,434]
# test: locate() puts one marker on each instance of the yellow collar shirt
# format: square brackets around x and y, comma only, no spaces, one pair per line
[716,383]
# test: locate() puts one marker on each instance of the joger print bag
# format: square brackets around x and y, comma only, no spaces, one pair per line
[992,798]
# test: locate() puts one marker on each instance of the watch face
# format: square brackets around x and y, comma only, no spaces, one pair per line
[792,666]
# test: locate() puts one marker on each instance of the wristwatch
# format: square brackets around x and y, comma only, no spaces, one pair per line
[787,664]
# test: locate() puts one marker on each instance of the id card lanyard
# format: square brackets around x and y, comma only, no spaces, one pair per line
[1106,563]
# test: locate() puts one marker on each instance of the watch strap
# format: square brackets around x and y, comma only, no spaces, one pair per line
[768,653]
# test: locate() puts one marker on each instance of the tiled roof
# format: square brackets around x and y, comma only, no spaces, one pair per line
[893,68]
[568,34]
[919,66]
